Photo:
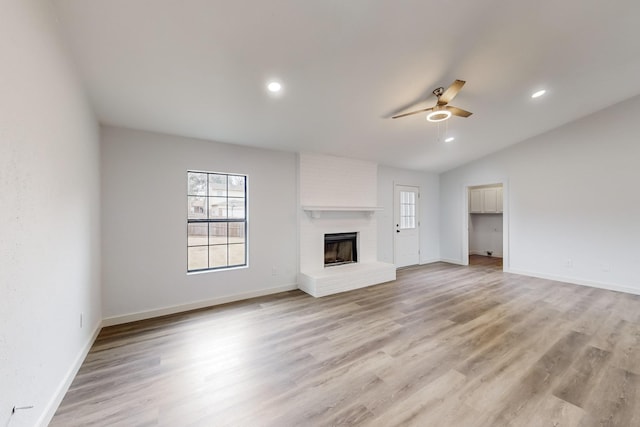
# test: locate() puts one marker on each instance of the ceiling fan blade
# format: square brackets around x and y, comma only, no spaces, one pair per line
[413,112]
[451,92]
[458,111]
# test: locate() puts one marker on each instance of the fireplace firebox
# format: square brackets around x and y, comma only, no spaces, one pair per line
[340,248]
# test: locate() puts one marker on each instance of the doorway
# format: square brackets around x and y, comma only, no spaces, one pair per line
[406,233]
[484,219]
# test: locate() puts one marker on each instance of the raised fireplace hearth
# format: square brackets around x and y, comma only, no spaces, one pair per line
[340,249]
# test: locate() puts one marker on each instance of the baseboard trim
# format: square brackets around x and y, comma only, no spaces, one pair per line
[574,281]
[142,315]
[429,261]
[484,253]
[61,391]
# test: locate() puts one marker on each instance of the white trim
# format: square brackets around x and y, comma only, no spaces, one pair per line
[429,261]
[464,248]
[574,281]
[315,212]
[505,219]
[213,270]
[142,315]
[342,208]
[53,404]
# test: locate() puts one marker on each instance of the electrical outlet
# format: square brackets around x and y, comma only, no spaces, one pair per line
[274,271]
[568,263]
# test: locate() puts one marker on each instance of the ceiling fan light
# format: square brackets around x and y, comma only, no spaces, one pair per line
[438,116]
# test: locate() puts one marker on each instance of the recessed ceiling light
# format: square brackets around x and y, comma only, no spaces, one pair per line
[539,93]
[274,87]
[449,139]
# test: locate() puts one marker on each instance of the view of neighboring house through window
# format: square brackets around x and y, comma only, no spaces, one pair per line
[216,220]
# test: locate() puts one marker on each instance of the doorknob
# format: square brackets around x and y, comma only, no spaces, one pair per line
[397,231]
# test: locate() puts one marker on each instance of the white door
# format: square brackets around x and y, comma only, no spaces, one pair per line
[407,225]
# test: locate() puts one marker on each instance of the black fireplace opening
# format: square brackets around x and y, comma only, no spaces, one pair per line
[340,248]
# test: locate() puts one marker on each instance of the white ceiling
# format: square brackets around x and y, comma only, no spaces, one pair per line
[198,68]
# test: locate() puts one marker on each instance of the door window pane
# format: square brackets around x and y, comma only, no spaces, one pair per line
[407,209]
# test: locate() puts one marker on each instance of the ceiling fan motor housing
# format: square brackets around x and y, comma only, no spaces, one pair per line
[441,111]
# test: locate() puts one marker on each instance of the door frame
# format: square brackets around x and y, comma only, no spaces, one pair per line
[505,221]
[393,218]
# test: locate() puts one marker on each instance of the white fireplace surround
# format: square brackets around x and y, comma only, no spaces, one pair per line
[334,194]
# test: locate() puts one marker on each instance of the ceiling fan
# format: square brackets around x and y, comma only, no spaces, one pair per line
[441,111]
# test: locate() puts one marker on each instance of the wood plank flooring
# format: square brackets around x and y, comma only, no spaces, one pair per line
[443,345]
[486,261]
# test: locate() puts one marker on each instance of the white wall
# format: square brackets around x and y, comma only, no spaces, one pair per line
[144,209]
[485,234]
[336,181]
[429,211]
[49,216]
[571,200]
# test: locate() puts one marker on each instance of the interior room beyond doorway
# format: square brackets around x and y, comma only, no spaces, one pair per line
[486,225]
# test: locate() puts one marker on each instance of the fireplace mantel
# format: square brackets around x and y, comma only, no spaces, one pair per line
[316,211]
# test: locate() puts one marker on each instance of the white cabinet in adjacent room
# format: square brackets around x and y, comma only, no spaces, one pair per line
[485,200]
[475,201]
[490,200]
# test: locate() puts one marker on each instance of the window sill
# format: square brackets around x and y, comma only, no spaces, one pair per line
[215,270]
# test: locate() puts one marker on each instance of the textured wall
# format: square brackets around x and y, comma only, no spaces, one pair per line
[49,216]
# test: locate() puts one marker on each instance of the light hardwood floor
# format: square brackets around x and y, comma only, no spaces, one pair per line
[486,261]
[442,346]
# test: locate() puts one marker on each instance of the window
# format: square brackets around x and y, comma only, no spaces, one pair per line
[407,209]
[216,221]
